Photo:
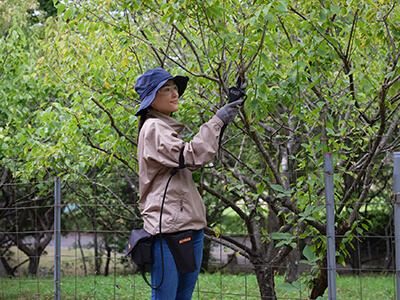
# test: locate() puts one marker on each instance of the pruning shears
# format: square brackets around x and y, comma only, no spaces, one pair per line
[237,92]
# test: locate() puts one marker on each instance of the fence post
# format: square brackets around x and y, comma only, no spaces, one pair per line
[57,238]
[396,190]
[330,226]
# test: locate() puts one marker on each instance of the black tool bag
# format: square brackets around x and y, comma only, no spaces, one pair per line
[140,248]
[181,246]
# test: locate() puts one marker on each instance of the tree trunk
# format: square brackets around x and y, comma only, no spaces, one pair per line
[72,212]
[97,259]
[292,267]
[34,253]
[82,253]
[107,267]
[33,265]
[321,282]
[265,279]
[7,268]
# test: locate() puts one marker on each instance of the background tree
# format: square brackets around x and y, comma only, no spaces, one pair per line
[12,10]
[26,219]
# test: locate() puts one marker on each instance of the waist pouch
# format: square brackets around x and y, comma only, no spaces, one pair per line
[182,249]
[140,247]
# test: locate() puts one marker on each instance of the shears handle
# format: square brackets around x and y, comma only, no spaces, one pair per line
[237,92]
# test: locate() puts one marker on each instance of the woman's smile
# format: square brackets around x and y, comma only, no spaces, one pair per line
[166,100]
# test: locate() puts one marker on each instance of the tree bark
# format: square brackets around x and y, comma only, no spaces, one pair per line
[107,267]
[320,283]
[265,279]
[292,266]
[79,241]
[10,271]
[33,265]
[97,259]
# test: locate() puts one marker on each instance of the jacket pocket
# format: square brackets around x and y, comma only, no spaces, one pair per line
[177,212]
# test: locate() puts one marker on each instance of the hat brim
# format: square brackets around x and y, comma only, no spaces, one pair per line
[180,81]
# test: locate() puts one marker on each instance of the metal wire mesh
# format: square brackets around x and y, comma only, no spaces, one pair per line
[95,224]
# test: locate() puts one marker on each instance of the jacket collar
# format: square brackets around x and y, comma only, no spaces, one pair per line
[174,124]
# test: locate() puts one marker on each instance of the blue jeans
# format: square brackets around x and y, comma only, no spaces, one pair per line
[176,286]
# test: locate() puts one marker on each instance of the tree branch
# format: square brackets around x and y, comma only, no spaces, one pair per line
[120,133]
[229,242]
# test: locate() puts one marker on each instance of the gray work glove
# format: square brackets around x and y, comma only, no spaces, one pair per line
[228,112]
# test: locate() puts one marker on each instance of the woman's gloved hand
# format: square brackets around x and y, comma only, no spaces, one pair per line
[228,112]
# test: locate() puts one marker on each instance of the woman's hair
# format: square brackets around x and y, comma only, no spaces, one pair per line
[143,118]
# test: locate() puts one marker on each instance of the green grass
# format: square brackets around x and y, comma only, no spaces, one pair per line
[210,286]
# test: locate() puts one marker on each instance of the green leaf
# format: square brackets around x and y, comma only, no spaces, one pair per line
[277,187]
[309,254]
[259,80]
[280,235]
[60,8]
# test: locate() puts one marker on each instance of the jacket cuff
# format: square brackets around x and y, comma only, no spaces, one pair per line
[217,120]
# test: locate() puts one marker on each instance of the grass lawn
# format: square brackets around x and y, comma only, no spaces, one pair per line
[210,286]
[75,285]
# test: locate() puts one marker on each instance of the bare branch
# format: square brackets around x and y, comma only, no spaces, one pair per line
[120,133]
[229,242]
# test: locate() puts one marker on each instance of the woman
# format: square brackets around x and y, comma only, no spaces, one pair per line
[159,150]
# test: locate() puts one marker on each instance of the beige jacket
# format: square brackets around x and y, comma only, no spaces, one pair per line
[158,152]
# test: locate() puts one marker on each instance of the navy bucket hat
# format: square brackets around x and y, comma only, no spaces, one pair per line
[151,81]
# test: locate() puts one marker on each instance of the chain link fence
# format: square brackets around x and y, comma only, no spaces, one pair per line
[64,239]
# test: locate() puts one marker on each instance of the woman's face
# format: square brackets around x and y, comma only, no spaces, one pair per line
[166,100]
